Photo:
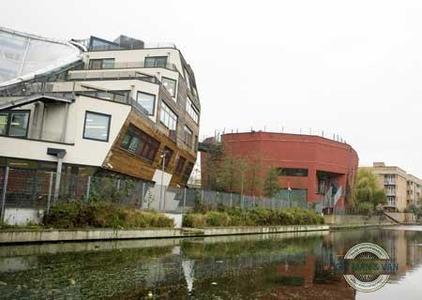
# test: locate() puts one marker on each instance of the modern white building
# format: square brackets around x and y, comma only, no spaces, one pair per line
[94,106]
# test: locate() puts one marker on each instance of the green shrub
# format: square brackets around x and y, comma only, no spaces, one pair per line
[216,218]
[194,220]
[252,217]
[102,215]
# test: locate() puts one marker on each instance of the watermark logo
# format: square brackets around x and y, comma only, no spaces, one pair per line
[367,267]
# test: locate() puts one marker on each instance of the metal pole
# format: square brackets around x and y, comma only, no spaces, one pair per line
[58,178]
[3,196]
[288,197]
[88,188]
[50,189]
[163,156]
[184,200]
[143,194]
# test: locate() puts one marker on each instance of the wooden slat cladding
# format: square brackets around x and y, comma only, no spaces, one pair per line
[124,162]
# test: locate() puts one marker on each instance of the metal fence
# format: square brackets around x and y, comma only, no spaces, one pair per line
[21,188]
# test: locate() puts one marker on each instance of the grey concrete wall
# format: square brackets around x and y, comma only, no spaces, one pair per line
[31,236]
[354,219]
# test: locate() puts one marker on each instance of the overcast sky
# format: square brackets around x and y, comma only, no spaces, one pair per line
[349,67]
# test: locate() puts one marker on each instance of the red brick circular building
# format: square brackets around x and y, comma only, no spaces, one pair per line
[312,166]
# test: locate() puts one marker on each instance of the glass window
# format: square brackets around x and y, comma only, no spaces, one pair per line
[168,117]
[103,63]
[180,164]
[191,110]
[18,124]
[170,85]
[169,154]
[138,142]
[147,101]
[188,170]
[293,172]
[97,126]
[4,119]
[188,136]
[155,61]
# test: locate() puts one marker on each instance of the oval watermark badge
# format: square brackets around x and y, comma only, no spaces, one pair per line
[367,267]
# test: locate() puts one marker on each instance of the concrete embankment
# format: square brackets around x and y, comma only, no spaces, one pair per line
[51,235]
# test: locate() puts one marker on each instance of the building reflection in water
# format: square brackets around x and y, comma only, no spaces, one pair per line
[297,266]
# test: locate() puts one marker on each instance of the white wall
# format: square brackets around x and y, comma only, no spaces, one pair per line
[84,151]
[23,216]
[138,55]
[114,85]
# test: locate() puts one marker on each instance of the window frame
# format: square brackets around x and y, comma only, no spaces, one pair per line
[108,126]
[185,130]
[175,85]
[281,172]
[154,101]
[189,107]
[180,165]
[146,144]
[155,64]
[169,154]
[168,106]
[91,61]
[9,114]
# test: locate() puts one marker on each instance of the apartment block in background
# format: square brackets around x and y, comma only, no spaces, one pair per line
[402,189]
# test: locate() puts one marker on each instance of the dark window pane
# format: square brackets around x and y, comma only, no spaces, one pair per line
[293,172]
[18,124]
[141,143]
[180,164]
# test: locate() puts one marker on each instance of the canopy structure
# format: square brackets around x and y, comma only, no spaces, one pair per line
[23,55]
[31,99]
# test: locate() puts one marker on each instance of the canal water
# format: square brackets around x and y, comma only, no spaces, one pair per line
[273,266]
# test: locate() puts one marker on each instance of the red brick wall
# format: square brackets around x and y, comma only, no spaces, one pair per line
[295,151]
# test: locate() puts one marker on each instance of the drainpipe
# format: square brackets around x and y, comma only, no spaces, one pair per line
[59,153]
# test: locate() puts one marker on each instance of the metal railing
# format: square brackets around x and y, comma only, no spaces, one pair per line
[23,188]
[132,65]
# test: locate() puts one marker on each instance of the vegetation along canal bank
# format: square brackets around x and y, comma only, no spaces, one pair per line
[89,222]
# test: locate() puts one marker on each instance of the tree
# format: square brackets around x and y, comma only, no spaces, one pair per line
[271,185]
[367,192]
[253,180]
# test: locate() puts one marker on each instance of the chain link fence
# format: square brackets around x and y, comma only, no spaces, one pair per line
[35,189]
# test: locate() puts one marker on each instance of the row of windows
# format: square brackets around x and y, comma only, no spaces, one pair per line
[149,62]
[109,63]
[15,123]
[143,145]
[97,126]
[191,110]
[168,117]
[138,142]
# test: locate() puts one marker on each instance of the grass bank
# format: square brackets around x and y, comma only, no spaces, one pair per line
[103,215]
[252,217]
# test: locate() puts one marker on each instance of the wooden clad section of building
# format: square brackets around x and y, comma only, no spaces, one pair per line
[122,161]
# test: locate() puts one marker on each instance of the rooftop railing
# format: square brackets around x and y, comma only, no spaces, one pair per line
[131,65]
[111,75]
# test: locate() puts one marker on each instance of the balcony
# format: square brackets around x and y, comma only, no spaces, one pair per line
[131,65]
[390,192]
[110,74]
